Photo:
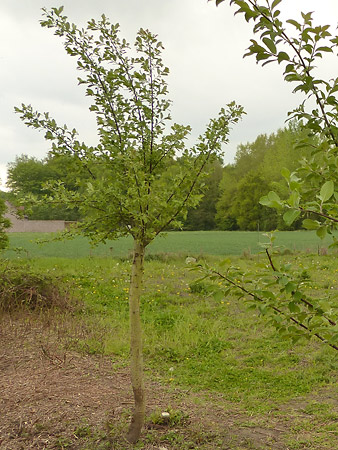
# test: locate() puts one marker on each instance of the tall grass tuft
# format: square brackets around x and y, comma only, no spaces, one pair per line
[22,287]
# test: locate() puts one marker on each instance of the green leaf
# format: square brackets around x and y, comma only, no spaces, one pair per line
[289,68]
[273,196]
[272,200]
[49,135]
[290,216]
[290,287]
[331,100]
[294,199]
[321,232]
[285,173]
[275,3]
[270,44]
[294,23]
[307,16]
[334,89]
[325,49]
[262,55]
[283,56]
[293,307]
[326,191]
[310,224]
[292,77]
[268,294]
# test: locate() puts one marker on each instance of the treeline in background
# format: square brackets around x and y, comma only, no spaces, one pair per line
[231,200]
[231,192]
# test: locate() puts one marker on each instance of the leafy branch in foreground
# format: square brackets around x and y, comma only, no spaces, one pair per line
[278,290]
[279,293]
[313,191]
[141,177]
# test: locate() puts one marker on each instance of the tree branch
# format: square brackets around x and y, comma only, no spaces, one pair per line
[279,311]
[306,69]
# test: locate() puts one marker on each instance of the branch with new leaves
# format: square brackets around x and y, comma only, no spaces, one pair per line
[278,291]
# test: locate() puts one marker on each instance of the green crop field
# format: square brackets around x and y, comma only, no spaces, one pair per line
[183,243]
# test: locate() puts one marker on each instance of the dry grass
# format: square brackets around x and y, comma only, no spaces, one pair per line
[24,288]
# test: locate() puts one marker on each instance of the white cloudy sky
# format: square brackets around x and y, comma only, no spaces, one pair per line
[204,47]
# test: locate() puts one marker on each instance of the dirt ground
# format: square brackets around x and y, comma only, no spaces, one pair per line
[52,398]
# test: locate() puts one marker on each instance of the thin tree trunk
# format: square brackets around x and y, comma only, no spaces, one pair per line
[136,356]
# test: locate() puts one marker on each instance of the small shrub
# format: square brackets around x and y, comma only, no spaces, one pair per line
[305,275]
[161,257]
[24,287]
[287,251]
[246,254]
[198,287]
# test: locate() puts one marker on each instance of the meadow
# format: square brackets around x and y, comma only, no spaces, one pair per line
[192,243]
[194,340]
[218,350]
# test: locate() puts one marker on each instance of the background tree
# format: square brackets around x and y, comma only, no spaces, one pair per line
[279,292]
[203,216]
[27,176]
[135,188]
[225,220]
[4,223]
[250,215]
[257,170]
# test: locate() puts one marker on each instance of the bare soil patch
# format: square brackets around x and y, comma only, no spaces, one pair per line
[51,398]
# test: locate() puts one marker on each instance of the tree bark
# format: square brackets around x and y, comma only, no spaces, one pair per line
[136,355]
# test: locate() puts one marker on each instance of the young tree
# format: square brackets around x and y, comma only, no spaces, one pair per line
[135,187]
[312,187]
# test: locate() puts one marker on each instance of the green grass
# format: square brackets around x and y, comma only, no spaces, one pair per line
[218,349]
[184,243]
[195,341]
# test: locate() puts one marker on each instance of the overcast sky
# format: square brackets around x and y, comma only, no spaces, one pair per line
[203,50]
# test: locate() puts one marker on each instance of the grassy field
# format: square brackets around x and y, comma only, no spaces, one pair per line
[205,341]
[184,243]
[192,341]
[218,349]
